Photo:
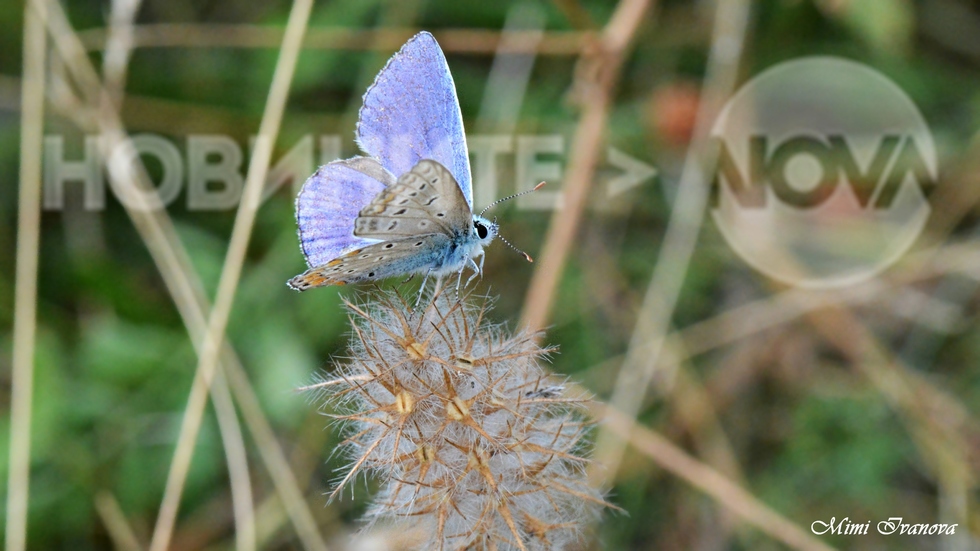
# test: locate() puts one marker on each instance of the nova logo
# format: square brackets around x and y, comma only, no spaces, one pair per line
[824,166]
[873,187]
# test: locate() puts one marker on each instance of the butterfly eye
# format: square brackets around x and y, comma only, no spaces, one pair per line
[481,230]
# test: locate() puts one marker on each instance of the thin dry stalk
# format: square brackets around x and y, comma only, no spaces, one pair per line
[743,322]
[599,75]
[119,43]
[25,299]
[241,483]
[653,320]
[128,180]
[941,427]
[510,72]
[228,283]
[458,41]
[185,287]
[10,93]
[114,520]
[727,493]
[754,317]
[118,48]
[287,488]
[954,497]
[576,14]
[693,408]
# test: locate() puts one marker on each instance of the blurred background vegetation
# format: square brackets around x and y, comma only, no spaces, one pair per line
[861,403]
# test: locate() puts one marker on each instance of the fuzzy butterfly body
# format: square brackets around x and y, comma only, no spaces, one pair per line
[406,208]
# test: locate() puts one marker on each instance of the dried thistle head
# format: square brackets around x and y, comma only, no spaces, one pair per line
[468,435]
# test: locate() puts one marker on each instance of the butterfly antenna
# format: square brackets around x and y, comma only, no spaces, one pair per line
[509,244]
[509,197]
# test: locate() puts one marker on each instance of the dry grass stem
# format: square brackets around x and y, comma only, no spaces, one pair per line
[680,237]
[944,431]
[185,286]
[241,484]
[129,178]
[728,494]
[118,48]
[785,306]
[231,271]
[293,500]
[598,73]
[25,298]
[460,41]
[114,520]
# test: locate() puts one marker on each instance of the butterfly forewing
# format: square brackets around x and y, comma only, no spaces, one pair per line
[411,113]
[424,200]
[378,261]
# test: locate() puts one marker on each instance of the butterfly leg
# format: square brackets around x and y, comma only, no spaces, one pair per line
[477,269]
[425,280]
[459,279]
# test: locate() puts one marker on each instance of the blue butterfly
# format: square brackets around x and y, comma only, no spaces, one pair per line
[407,208]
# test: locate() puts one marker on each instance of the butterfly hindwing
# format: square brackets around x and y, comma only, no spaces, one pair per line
[411,113]
[340,188]
[424,200]
[377,261]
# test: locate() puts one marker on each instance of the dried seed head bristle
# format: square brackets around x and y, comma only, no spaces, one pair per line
[463,428]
